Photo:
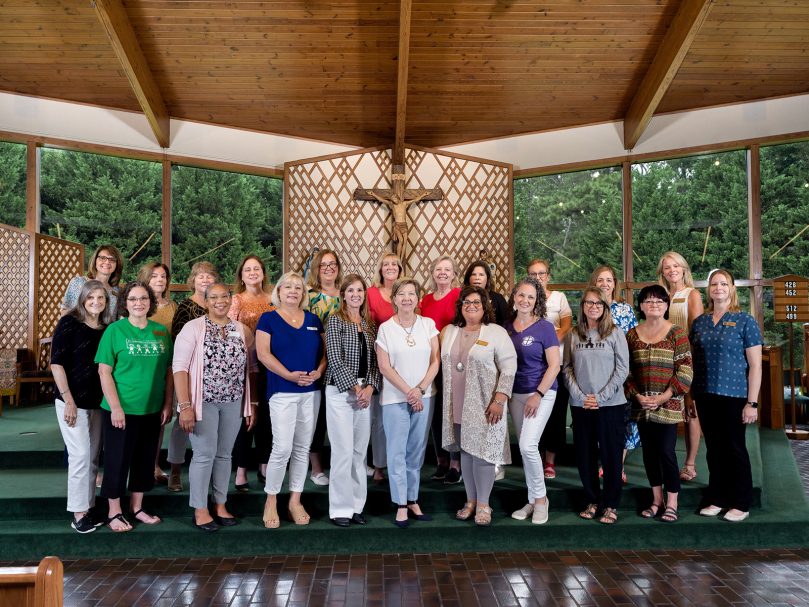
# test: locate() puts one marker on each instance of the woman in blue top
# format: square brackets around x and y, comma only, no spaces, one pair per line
[726,347]
[605,279]
[289,343]
[534,392]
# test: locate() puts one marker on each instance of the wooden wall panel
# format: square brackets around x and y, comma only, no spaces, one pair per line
[15,278]
[320,211]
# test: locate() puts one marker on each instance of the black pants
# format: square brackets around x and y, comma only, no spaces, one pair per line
[129,452]
[730,480]
[319,436]
[437,422]
[598,434]
[659,457]
[261,432]
[555,435]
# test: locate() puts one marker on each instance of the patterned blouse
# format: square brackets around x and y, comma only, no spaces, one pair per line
[655,367]
[224,365]
[187,310]
[623,316]
[73,291]
[323,305]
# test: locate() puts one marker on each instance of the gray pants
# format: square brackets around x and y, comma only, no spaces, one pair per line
[478,475]
[212,441]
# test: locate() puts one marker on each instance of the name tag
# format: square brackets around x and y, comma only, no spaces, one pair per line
[234,334]
[158,333]
[312,328]
[480,342]
[679,300]
[729,323]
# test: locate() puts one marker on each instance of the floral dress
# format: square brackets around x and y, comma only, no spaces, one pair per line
[624,318]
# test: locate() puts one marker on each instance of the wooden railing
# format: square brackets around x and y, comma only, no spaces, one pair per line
[33,586]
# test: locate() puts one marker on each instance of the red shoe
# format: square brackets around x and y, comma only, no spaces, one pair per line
[623,476]
[550,471]
[600,472]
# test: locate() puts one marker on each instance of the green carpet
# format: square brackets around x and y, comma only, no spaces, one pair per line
[33,521]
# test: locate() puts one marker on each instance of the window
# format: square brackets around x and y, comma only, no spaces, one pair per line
[221,217]
[696,206]
[94,200]
[573,220]
[12,184]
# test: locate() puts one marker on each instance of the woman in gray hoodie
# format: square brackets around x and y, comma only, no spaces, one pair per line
[596,364]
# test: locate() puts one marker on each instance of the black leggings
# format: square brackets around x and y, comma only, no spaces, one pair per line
[659,457]
[262,430]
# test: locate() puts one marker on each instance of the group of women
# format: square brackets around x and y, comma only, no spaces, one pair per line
[389,365]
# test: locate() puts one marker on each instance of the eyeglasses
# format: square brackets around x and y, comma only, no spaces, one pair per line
[218,297]
[593,304]
[653,302]
[472,304]
[137,299]
[538,274]
[328,265]
[106,258]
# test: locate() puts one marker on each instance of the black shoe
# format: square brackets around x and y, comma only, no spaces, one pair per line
[84,524]
[418,517]
[225,521]
[453,477]
[208,527]
[440,473]
[341,521]
[243,488]
[405,523]
[359,519]
[261,478]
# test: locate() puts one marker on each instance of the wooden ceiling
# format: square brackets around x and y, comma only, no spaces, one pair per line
[478,69]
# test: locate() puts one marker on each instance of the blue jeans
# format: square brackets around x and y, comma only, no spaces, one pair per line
[406,438]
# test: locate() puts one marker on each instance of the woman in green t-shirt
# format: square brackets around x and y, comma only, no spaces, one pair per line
[134,364]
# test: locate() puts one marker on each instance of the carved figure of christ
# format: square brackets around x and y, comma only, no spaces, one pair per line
[398,200]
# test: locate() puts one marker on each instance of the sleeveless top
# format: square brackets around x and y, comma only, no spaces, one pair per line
[678,307]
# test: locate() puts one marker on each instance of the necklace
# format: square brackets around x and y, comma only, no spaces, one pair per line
[409,339]
[459,366]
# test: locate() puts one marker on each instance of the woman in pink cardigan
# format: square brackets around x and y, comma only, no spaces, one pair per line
[215,377]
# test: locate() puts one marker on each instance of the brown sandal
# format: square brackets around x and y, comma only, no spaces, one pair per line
[271,520]
[609,516]
[589,513]
[465,513]
[483,516]
[688,473]
[298,515]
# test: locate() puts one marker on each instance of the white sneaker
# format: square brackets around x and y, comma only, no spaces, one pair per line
[540,516]
[499,473]
[320,479]
[369,471]
[710,511]
[523,513]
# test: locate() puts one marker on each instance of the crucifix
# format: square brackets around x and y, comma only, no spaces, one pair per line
[399,199]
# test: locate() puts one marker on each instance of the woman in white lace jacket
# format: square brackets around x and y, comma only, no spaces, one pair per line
[479,363]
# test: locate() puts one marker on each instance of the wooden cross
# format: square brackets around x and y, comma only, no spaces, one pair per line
[399,199]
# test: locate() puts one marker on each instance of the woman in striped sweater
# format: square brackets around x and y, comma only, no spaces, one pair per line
[660,374]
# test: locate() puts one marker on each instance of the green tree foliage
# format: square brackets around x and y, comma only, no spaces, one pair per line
[221,217]
[12,184]
[94,200]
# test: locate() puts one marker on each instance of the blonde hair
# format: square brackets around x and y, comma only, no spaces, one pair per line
[616,292]
[401,283]
[431,286]
[688,280]
[276,301]
[379,281]
[314,270]
[605,323]
[202,267]
[733,304]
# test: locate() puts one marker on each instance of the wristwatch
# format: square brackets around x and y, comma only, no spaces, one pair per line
[753,404]
[540,392]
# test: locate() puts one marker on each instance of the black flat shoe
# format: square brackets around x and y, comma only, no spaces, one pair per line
[243,488]
[440,473]
[207,527]
[225,521]
[341,521]
[359,519]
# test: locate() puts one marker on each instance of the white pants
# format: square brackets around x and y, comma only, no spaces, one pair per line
[349,429]
[379,450]
[530,430]
[83,442]
[293,416]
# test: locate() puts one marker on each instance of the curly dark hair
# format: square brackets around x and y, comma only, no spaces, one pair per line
[479,264]
[488,312]
[540,307]
[123,312]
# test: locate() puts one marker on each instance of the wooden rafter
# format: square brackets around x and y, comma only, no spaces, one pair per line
[667,61]
[401,81]
[125,44]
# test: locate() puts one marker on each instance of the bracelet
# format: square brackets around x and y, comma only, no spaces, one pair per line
[540,392]
[254,403]
[183,406]
[65,392]
[497,402]
[422,390]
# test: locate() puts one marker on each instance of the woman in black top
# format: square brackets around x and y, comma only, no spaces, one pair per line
[75,342]
[479,274]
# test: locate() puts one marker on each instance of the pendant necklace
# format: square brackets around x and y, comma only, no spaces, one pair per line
[459,366]
[409,339]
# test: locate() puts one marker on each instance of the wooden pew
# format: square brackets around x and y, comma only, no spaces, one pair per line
[33,586]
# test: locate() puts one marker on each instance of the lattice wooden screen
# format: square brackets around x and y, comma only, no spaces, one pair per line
[16,279]
[57,262]
[475,215]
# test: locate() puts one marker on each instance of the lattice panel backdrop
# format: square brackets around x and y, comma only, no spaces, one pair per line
[475,214]
[15,255]
[57,262]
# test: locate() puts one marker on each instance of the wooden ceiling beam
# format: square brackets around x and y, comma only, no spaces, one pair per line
[119,30]
[405,11]
[661,72]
